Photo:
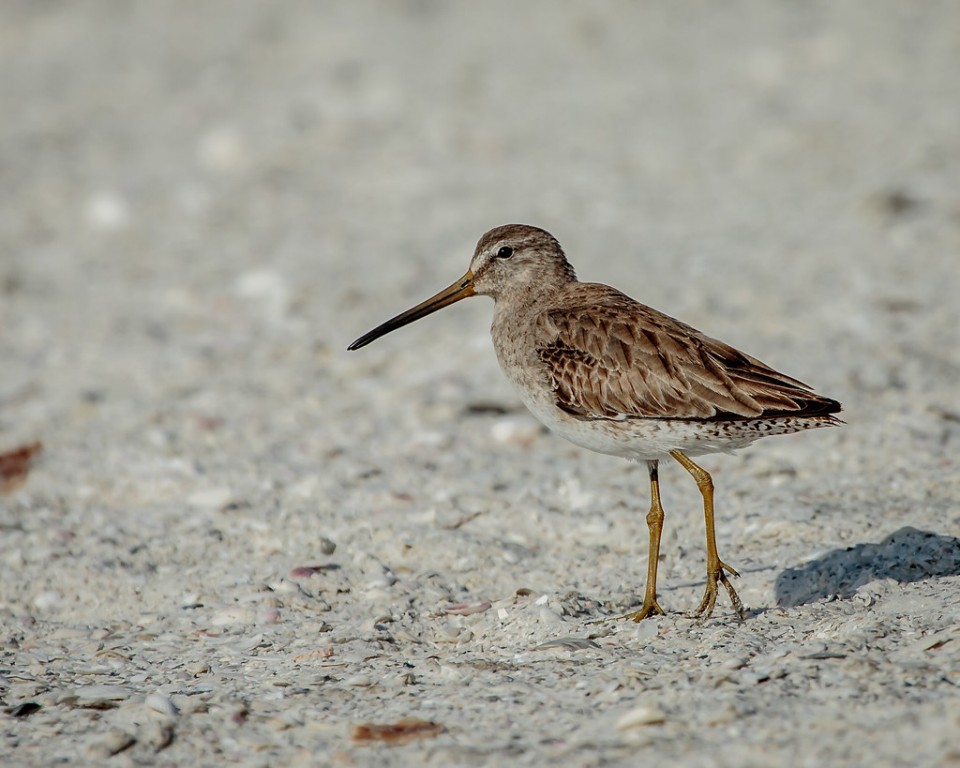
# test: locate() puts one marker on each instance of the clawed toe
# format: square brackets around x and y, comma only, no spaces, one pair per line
[717,576]
[648,609]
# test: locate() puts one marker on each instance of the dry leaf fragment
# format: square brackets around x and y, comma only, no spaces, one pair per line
[401,732]
[316,653]
[15,464]
[306,571]
[467,609]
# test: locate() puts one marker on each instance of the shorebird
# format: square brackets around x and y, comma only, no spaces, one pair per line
[618,377]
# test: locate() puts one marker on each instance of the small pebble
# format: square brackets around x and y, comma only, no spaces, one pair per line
[448,632]
[269,616]
[161,704]
[752,677]
[230,616]
[550,617]
[99,696]
[510,556]
[519,431]
[451,673]
[327,546]
[722,715]
[404,679]
[112,743]
[646,629]
[47,599]
[735,662]
[156,736]
[211,498]
[639,717]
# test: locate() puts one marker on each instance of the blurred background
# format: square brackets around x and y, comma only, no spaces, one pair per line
[330,139]
[201,204]
[178,179]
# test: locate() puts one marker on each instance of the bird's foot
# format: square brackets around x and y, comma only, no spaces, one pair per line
[717,574]
[649,608]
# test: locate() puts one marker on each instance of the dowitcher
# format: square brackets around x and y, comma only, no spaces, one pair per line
[618,377]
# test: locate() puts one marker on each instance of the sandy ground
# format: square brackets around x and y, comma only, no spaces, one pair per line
[241,544]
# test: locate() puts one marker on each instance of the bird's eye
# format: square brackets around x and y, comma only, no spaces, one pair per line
[505,252]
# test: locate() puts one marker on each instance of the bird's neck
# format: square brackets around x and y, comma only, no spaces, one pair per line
[524,301]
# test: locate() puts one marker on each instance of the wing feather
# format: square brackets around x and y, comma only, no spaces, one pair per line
[612,357]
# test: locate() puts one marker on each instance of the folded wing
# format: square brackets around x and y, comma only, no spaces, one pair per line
[615,358]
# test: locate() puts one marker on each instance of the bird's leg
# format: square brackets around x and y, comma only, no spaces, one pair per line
[650,605]
[717,570]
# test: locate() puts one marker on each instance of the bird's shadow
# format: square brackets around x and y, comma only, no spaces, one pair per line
[907,555]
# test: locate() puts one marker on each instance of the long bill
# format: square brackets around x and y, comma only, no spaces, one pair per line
[459,290]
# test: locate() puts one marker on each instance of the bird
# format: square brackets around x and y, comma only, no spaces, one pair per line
[618,377]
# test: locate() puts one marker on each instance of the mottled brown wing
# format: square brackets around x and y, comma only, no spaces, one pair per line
[615,358]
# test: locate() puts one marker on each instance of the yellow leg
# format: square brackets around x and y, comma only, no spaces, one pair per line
[650,605]
[717,570]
